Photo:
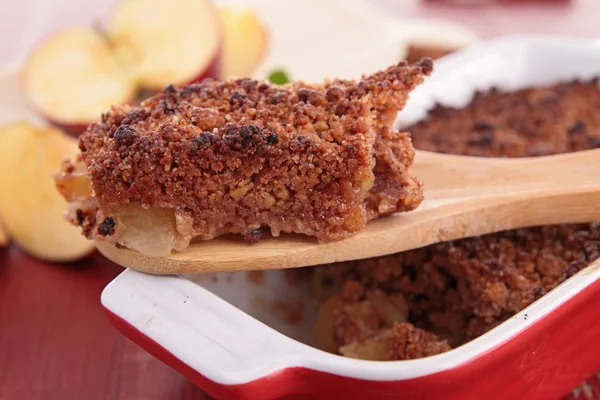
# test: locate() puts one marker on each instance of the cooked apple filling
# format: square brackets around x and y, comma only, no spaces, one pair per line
[243,156]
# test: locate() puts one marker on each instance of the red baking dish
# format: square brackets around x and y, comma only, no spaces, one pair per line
[222,332]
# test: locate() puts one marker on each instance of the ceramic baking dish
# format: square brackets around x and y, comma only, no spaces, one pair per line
[227,333]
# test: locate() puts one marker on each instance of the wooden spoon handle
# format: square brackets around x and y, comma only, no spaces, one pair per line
[469,196]
[449,176]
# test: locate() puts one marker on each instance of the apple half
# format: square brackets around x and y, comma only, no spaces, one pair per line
[245,40]
[31,210]
[75,75]
[163,42]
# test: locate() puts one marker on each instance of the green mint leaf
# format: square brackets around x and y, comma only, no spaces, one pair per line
[279,77]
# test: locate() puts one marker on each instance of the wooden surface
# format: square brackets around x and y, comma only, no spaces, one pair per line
[54,340]
[464,197]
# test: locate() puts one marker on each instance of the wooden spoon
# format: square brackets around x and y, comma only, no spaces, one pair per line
[464,197]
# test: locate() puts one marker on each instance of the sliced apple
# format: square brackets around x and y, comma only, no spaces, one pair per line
[245,41]
[173,41]
[73,77]
[31,210]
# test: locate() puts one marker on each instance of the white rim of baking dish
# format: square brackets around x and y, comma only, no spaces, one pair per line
[228,346]
[453,82]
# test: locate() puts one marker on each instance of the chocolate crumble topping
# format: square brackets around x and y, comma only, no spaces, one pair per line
[106,227]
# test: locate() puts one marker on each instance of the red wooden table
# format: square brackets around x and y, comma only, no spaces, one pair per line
[55,342]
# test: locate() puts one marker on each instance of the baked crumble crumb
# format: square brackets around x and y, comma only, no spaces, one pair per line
[106,227]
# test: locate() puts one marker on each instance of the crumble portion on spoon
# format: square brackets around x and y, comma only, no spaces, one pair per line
[243,155]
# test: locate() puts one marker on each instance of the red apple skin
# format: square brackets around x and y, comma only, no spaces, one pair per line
[73,129]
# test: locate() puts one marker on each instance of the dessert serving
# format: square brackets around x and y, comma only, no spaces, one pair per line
[534,291]
[240,156]
[426,301]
